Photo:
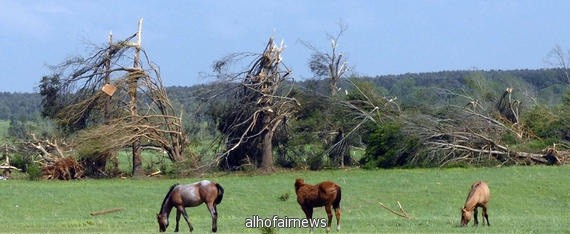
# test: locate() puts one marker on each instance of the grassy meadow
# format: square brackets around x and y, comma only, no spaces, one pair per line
[523,200]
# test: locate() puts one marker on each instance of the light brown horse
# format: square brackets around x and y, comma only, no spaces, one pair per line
[327,194]
[190,195]
[477,197]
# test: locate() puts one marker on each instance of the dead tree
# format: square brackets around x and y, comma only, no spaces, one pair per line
[6,166]
[474,136]
[508,108]
[559,58]
[107,92]
[329,65]
[261,106]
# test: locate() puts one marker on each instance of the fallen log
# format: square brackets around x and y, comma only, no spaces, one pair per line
[102,212]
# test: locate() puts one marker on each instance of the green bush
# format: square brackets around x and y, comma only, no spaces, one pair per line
[34,171]
[543,123]
[315,162]
[387,147]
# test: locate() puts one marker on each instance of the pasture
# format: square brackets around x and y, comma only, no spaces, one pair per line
[523,200]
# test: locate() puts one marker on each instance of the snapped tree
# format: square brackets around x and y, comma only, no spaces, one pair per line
[261,105]
[109,102]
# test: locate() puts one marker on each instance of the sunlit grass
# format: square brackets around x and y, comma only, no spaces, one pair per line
[523,200]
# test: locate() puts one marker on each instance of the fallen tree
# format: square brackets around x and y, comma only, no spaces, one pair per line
[54,159]
[113,102]
[474,135]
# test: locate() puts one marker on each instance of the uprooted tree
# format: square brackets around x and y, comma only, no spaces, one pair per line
[475,133]
[260,107]
[110,102]
[478,126]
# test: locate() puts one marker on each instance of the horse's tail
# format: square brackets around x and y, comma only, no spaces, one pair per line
[220,194]
[336,202]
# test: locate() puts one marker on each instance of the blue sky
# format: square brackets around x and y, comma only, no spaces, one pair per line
[185,37]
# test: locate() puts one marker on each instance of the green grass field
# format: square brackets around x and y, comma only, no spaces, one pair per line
[523,200]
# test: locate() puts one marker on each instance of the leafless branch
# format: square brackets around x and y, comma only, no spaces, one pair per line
[402,212]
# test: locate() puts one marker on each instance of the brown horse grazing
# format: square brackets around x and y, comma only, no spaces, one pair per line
[325,194]
[190,195]
[478,197]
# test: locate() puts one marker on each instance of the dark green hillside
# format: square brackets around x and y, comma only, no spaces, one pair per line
[545,85]
[22,106]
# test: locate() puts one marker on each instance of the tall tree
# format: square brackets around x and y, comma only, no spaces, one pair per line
[49,87]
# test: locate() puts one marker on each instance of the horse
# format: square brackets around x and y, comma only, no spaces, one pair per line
[477,197]
[190,195]
[327,194]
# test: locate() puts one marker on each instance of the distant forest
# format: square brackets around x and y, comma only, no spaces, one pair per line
[543,86]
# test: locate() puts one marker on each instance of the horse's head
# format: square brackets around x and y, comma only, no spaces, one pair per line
[465,216]
[162,222]
[298,183]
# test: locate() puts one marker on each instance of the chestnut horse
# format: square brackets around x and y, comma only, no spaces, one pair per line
[190,195]
[325,194]
[477,197]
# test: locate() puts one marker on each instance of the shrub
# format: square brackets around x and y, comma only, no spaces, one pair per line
[387,147]
[34,171]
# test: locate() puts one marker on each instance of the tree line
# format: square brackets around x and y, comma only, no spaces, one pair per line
[546,86]
[259,117]
[311,133]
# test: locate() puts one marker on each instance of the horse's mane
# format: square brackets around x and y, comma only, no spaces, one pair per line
[298,183]
[472,191]
[167,195]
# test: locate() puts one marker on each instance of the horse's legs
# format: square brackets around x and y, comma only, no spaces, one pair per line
[485,216]
[337,213]
[177,220]
[475,216]
[309,214]
[214,213]
[329,216]
[185,215]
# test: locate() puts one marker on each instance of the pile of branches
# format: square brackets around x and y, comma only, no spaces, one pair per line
[121,132]
[467,136]
[66,168]
[54,158]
